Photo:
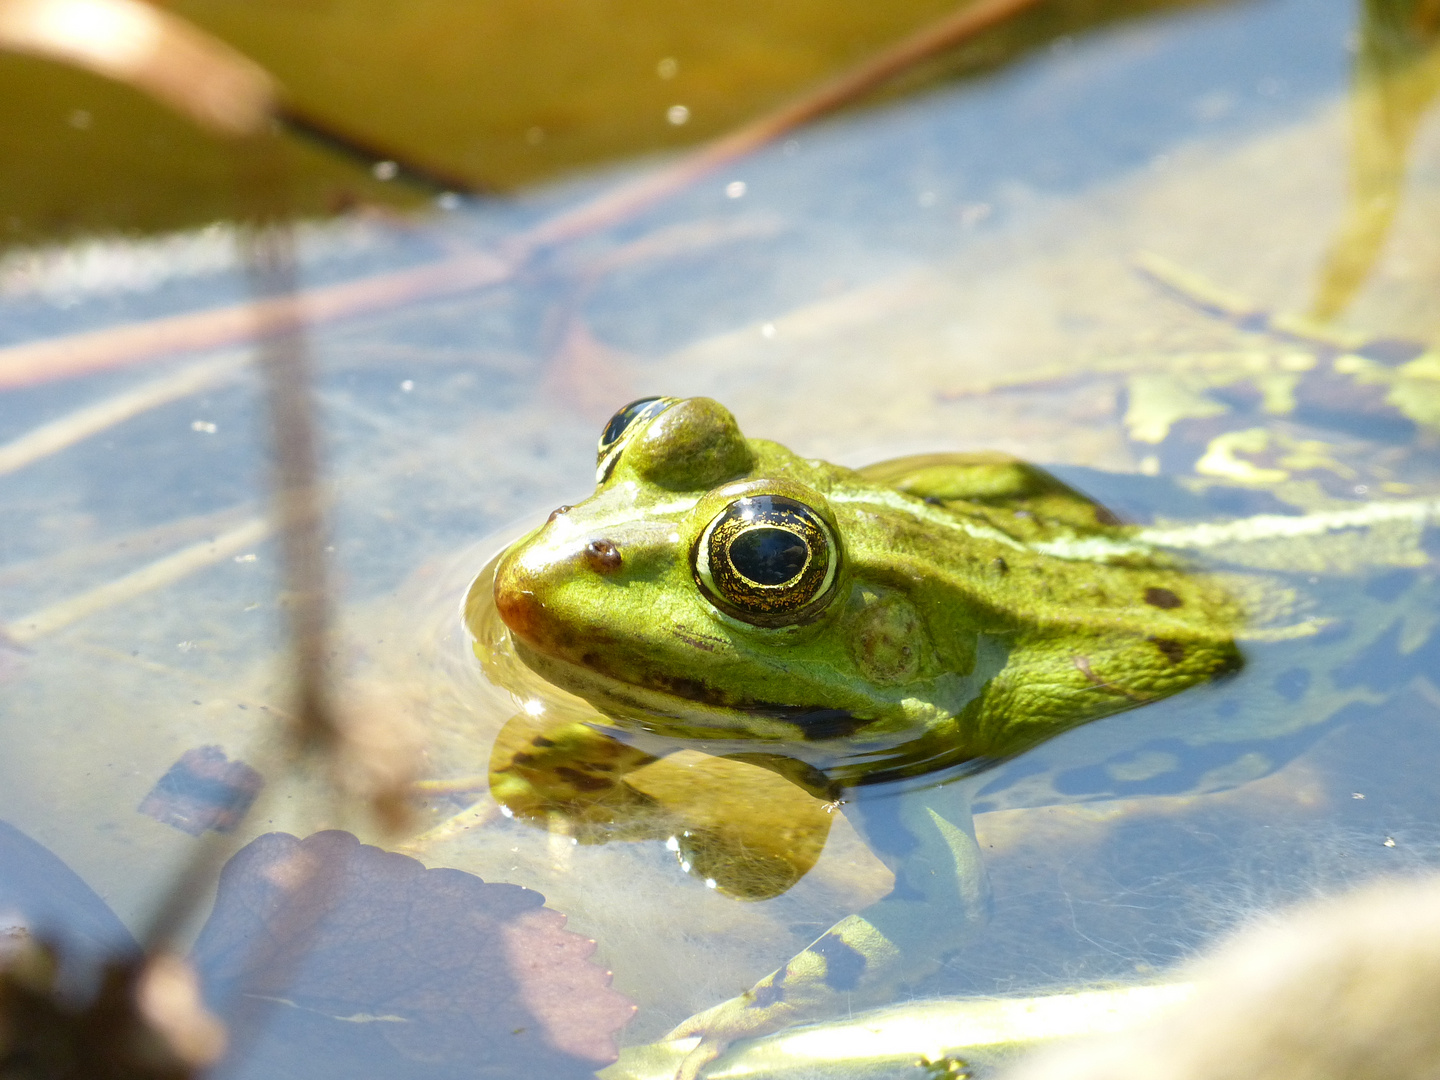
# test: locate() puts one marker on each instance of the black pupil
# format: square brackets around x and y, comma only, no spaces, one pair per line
[768,556]
[623,419]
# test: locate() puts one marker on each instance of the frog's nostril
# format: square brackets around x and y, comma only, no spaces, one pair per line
[557,512]
[602,556]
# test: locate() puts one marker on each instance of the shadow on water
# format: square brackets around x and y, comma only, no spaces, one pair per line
[489,96]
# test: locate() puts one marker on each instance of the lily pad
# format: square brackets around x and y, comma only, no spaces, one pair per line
[334,958]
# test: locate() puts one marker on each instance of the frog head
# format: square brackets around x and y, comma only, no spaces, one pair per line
[703,587]
[719,587]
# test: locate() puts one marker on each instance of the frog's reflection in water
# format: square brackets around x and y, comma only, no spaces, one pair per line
[743,829]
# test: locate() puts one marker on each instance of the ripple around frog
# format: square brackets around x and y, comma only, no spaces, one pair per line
[1241,749]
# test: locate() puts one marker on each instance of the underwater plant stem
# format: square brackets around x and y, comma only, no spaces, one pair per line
[285,365]
[154,575]
[298,518]
[69,356]
[74,427]
[1395,80]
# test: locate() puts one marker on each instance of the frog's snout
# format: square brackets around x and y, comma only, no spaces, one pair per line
[515,600]
[525,588]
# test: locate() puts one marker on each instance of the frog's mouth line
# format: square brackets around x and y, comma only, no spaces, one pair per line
[669,712]
[832,758]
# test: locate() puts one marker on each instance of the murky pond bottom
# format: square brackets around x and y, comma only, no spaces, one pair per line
[993,268]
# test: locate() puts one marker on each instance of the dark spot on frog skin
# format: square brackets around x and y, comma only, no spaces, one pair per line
[1172,650]
[1000,565]
[814,723]
[1162,598]
[844,964]
[689,689]
[1230,666]
[557,512]
[602,556]
[1292,684]
[934,500]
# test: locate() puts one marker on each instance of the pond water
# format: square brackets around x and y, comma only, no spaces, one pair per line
[1101,259]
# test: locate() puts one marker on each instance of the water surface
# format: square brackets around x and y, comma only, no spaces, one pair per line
[962,269]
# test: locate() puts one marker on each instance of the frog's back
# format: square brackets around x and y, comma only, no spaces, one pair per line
[1091,620]
[991,479]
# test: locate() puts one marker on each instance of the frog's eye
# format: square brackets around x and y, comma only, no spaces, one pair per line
[626,420]
[767,560]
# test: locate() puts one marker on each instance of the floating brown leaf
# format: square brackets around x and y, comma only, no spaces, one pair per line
[203,790]
[374,966]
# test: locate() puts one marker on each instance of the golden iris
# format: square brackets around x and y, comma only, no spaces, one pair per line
[767,560]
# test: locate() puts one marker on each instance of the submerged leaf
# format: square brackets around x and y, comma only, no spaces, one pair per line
[374,966]
[329,958]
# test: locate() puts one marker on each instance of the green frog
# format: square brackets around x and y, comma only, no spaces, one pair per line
[876,637]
